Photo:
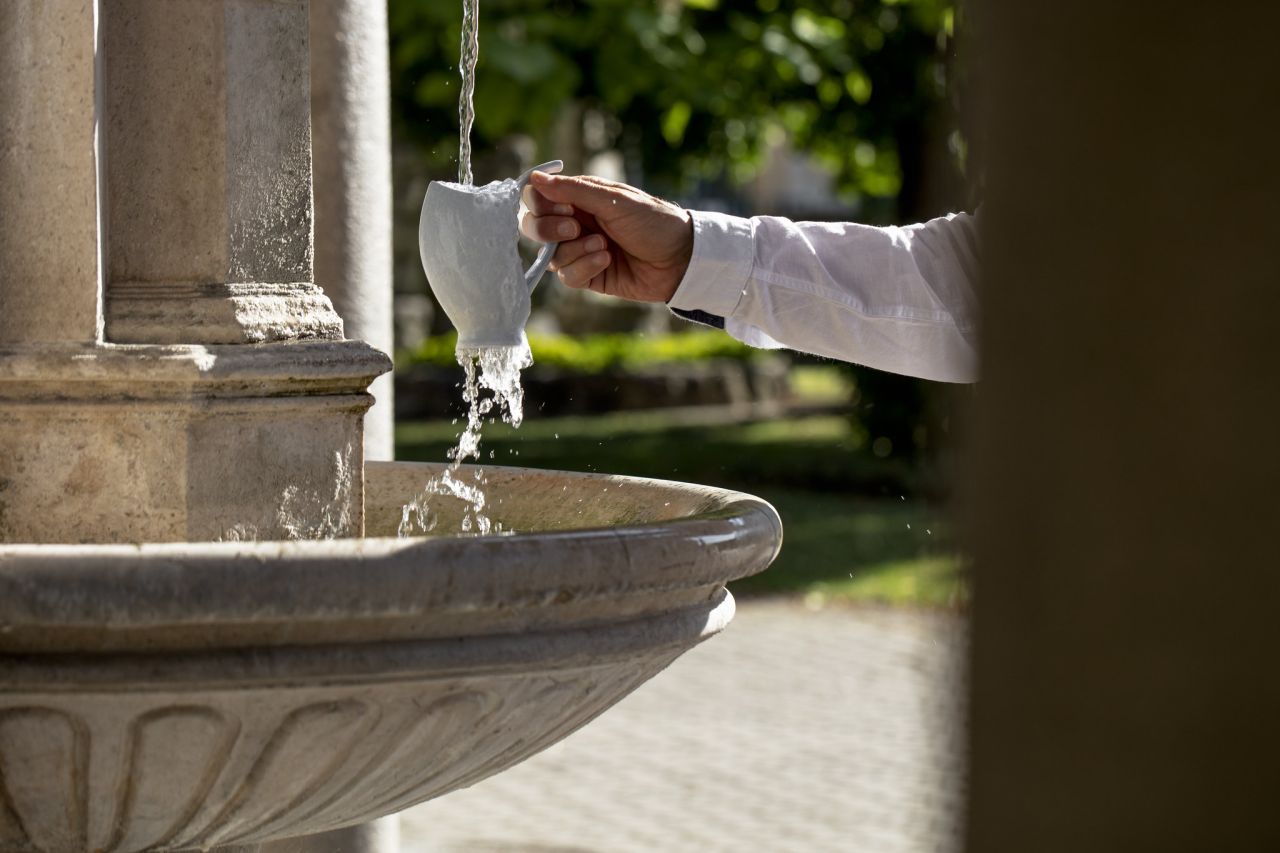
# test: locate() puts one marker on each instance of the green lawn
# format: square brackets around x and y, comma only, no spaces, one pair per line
[840,548]
[852,529]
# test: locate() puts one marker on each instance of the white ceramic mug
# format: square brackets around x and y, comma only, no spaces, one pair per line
[467,237]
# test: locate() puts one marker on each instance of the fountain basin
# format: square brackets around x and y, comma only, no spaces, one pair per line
[181,696]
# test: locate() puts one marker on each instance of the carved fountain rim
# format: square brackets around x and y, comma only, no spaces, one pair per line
[193,597]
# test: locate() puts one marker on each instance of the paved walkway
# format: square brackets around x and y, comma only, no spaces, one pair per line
[792,731]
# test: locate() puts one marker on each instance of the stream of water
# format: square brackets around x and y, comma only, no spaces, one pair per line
[468,53]
[493,370]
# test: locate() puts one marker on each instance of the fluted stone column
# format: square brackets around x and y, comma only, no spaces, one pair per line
[351,164]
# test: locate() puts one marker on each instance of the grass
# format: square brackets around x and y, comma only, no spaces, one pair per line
[856,549]
[852,530]
[820,383]
[822,453]
[597,352]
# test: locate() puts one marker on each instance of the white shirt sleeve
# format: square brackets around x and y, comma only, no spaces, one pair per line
[900,299]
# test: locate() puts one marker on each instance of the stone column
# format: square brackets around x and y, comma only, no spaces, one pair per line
[171,429]
[209,173]
[49,261]
[351,165]
[1125,694]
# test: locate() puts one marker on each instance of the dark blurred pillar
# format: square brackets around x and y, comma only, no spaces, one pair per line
[1126,648]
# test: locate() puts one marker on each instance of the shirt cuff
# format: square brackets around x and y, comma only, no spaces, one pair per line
[723,251]
[701,317]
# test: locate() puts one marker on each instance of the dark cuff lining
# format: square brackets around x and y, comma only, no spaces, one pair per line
[702,317]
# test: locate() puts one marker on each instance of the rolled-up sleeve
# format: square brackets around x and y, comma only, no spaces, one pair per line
[899,298]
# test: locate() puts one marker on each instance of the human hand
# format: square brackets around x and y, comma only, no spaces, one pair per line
[614,238]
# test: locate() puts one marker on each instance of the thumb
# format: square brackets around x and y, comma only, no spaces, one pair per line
[596,196]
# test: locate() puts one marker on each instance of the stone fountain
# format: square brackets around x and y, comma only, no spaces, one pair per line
[209,636]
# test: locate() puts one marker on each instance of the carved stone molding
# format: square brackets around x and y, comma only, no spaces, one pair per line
[149,313]
[211,764]
[163,771]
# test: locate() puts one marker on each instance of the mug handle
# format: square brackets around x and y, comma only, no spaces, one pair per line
[533,275]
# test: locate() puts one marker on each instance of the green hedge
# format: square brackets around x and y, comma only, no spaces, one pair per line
[599,353]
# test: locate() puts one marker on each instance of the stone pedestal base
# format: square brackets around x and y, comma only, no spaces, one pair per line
[152,443]
[142,313]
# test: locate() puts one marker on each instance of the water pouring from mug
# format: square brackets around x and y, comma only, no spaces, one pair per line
[468,240]
[495,370]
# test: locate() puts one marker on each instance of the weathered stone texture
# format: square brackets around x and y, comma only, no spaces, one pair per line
[49,261]
[165,119]
[209,173]
[150,444]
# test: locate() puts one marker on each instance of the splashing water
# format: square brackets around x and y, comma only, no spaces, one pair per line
[468,53]
[497,371]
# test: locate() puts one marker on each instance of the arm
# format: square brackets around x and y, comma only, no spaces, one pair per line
[898,299]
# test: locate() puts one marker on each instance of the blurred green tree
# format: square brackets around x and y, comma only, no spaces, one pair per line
[698,90]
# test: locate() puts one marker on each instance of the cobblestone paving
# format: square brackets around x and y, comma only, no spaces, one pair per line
[794,730]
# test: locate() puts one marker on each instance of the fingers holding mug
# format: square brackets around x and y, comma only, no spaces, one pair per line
[582,265]
[540,205]
[549,228]
[570,251]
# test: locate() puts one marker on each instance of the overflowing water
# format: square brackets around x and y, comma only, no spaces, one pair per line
[492,381]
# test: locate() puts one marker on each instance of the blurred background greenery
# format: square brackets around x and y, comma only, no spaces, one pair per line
[837,110]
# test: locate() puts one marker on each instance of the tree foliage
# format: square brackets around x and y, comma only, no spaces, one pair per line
[690,89]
